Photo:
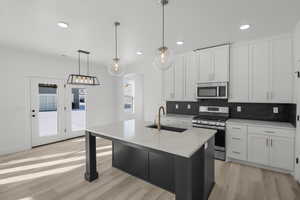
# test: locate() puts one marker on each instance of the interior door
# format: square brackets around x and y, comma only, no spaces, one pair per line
[47,96]
[258,148]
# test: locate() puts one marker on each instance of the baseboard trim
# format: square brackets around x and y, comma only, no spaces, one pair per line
[260,166]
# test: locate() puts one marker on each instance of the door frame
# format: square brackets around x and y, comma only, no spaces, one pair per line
[61,124]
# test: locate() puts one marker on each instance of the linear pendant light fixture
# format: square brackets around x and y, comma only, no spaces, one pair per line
[79,79]
[115,69]
[164,57]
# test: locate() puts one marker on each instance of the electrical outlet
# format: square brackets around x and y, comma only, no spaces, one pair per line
[176,106]
[189,106]
[275,110]
[239,108]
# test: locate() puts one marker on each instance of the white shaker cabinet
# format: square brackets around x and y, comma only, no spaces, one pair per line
[259,71]
[168,85]
[191,72]
[281,152]
[206,72]
[221,63]
[179,77]
[214,64]
[281,71]
[258,150]
[269,66]
[239,73]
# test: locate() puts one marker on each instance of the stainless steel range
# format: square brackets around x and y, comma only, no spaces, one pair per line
[214,117]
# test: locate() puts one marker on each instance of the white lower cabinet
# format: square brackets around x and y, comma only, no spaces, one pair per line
[258,150]
[267,146]
[281,152]
[237,142]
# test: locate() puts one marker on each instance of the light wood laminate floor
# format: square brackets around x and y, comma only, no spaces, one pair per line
[55,172]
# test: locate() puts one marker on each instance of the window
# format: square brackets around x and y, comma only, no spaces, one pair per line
[128,91]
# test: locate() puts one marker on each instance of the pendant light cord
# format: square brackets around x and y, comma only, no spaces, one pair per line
[163,23]
[116,39]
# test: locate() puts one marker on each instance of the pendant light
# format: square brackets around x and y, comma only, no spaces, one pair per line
[79,79]
[115,69]
[164,56]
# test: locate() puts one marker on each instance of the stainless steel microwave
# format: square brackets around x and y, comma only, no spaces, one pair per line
[218,90]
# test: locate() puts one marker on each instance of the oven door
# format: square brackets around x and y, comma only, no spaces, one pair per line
[220,149]
[207,92]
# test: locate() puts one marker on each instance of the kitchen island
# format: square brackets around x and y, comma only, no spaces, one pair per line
[182,163]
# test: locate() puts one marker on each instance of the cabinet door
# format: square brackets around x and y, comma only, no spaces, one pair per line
[221,63]
[258,148]
[179,78]
[161,172]
[206,72]
[260,73]
[168,84]
[191,77]
[282,152]
[281,70]
[239,74]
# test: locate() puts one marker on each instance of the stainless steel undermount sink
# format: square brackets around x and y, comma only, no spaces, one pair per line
[168,128]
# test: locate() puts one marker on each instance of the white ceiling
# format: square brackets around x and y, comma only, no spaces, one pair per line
[31,24]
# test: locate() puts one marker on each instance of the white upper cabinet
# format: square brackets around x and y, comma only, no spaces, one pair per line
[179,82]
[221,63]
[179,77]
[168,85]
[281,71]
[214,64]
[259,71]
[239,73]
[270,71]
[191,76]
[206,72]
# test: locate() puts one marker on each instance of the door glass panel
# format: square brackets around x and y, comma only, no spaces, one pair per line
[78,115]
[47,115]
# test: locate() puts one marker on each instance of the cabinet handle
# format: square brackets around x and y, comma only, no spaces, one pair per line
[234,138]
[267,142]
[236,152]
[236,128]
[271,142]
[269,132]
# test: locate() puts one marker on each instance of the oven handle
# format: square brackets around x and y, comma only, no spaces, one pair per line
[209,127]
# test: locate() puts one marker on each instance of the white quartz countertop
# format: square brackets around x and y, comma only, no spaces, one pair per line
[262,123]
[183,144]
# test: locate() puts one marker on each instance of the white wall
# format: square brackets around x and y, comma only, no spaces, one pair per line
[15,66]
[297,92]
[152,88]
[138,99]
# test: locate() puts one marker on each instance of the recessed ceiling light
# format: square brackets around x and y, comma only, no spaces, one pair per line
[244,26]
[63,24]
[139,53]
[179,42]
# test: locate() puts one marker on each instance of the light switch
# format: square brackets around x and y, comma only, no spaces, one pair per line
[189,106]
[275,110]
[176,106]
[239,108]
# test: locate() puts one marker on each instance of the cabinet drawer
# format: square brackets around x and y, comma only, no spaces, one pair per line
[237,145]
[237,130]
[271,131]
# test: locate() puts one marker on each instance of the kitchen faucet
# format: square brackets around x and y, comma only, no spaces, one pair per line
[158,123]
